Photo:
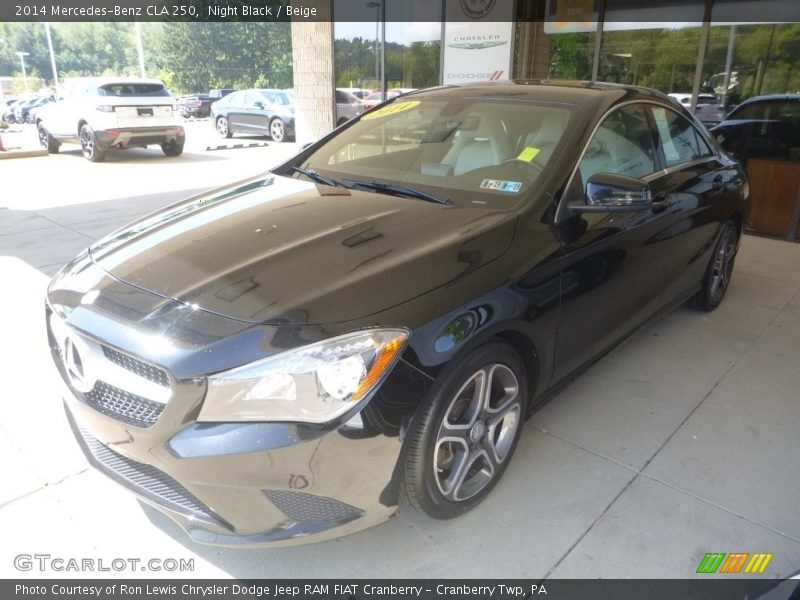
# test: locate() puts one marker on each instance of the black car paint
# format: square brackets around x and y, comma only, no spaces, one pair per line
[560,288]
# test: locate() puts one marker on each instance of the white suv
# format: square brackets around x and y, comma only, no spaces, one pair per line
[105,113]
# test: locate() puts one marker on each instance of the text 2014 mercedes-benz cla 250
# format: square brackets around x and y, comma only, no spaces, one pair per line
[286,358]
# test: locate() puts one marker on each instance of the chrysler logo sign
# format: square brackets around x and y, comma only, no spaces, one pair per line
[73,363]
[477,45]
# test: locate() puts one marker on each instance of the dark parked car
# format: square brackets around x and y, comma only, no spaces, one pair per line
[194,105]
[259,112]
[218,94]
[762,127]
[280,360]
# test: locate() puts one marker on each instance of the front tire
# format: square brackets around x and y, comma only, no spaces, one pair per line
[46,140]
[719,271]
[277,131]
[462,442]
[92,150]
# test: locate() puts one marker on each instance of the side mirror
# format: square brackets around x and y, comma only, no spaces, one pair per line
[258,104]
[610,192]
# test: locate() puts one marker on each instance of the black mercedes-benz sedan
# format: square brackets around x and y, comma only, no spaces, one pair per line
[256,112]
[287,358]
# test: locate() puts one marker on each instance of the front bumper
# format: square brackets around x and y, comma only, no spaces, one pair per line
[264,503]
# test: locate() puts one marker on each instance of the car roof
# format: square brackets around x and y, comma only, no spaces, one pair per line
[772,97]
[577,93]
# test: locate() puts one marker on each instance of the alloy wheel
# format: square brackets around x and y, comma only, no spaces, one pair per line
[276,130]
[222,127]
[87,143]
[723,265]
[477,432]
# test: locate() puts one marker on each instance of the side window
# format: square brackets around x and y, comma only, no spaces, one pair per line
[252,97]
[623,144]
[754,110]
[790,112]
[679,140]
[340,98]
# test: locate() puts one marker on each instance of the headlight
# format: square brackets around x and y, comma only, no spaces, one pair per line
[312,384]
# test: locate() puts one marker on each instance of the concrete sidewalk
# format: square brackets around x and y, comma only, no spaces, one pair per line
[681,441]
[20,141]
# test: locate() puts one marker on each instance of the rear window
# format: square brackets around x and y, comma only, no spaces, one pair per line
[133,89]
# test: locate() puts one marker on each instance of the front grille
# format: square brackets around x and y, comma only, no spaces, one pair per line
[142,369]
[308,508]
[106,397]
[122,405]
[146,480]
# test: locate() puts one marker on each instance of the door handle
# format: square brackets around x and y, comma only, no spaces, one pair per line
[659,202]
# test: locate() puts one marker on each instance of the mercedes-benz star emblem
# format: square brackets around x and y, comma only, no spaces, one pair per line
[74,366]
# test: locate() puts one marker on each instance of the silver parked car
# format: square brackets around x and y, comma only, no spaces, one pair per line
[708,110]
[348,106]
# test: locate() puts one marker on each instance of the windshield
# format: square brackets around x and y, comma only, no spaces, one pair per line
[471,151]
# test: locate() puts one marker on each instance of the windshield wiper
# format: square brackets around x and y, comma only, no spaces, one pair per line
[397,190]
[318,177]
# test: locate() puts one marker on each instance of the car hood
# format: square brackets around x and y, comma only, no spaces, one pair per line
[282,251]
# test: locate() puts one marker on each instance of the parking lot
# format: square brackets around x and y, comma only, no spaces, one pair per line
[681,441]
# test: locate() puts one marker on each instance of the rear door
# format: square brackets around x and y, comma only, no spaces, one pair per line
[700,189]
[236,109]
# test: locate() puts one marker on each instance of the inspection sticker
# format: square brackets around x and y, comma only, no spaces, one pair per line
[499,185]
[391,109]
[528,154]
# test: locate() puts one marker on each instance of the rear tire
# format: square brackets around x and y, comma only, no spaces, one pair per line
[46,140]
[719,271]
[172,148]
[92,150]
[461,442]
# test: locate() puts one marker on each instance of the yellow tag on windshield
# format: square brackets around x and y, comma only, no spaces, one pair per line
[391,109]
[528,154]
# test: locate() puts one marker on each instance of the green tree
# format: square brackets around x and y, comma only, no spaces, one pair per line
[93,49]
[24,37]
[197,56]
